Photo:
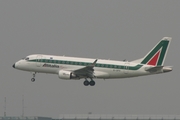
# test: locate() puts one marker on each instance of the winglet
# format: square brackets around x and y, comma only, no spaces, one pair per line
[94,63]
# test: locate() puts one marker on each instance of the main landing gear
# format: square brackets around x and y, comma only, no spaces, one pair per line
[91,83]
[33,79]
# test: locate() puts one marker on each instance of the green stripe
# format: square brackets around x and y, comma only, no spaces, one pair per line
[163,44]
[163,52]
[86,63]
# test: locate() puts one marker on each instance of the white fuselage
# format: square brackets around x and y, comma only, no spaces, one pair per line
[104,69]
[77,68]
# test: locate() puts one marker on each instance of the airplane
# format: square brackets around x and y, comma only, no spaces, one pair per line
[74,68]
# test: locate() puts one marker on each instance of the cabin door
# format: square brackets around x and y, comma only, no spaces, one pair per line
[39,60]
[126,67]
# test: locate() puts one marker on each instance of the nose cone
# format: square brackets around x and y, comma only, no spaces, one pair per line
[13,65]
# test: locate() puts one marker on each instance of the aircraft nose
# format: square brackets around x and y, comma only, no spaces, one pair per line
[13,65]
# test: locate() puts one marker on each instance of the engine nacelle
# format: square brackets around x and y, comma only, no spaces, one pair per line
[66,75]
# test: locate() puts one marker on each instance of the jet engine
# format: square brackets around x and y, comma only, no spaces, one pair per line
[67,75]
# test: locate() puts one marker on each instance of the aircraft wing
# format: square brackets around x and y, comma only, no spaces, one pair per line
[87,71]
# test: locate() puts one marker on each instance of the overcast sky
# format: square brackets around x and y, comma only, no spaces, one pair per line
[107,29]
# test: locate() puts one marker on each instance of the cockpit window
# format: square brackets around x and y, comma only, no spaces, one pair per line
[27,58]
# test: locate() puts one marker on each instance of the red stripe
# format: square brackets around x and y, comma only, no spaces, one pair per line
[153,60]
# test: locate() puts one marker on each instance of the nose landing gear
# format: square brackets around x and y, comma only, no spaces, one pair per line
[33,79]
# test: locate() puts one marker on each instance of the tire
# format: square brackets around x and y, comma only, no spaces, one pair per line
[32,79]
[86,83]
[92,83]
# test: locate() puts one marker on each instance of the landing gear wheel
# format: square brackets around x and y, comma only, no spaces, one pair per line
[86,83]
[32,79]
[92,83]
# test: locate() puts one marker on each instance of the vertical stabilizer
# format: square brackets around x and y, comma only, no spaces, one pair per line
[157,55]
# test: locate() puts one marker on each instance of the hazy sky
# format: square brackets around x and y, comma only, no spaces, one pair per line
[107,29]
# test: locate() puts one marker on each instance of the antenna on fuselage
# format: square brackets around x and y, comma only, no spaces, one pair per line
[124,60]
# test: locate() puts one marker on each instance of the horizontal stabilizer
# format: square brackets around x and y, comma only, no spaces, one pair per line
[154,69]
